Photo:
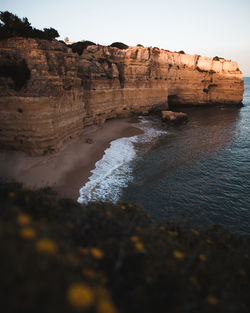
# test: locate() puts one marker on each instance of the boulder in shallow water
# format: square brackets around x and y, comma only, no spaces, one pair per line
[174,117]
[89,140]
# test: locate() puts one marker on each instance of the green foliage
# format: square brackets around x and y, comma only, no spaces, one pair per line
[119,254]
[119,45]
[216,58]
[80,46]
[212,85]
[18,71]
[11,25]
[62,41]
[50,33]
[200,70]
[204,71]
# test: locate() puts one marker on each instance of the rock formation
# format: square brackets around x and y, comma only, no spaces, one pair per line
[174,117]
[48,93]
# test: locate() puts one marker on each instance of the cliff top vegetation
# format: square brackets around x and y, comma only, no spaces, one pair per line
[119,45]
[80,46]
[59,256]
[11,25]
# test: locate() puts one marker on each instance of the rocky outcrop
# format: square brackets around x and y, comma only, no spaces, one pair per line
[48,93]
[174,117]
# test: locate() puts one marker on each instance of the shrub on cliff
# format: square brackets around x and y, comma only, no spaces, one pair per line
[181,52]
[80,46]
[59,256]
[11,25]
[119,45]
[216,58]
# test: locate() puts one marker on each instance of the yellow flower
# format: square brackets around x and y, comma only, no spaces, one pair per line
[212,300]
[46,246]
[134,238]
[123,207]
[96,253]
[80,296]
[202,257]
[178,255]
[23,219]
[11,194]
[173,233]
[28,233]
[105,306]
[195,231]
[139,246]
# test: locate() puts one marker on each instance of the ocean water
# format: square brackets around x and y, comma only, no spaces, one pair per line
[198,172]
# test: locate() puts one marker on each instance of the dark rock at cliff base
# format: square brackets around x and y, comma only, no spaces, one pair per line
[89,140]
[174,117]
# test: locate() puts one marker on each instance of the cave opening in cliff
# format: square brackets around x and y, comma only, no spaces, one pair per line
[18,71]
[173,100]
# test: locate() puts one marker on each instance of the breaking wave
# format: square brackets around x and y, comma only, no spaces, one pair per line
[115,170]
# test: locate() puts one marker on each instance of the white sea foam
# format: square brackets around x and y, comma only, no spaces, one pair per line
[114,171]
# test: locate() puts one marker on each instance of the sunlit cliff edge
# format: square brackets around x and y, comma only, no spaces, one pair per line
[54,93]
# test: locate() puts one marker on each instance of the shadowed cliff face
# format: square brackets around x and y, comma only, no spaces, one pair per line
[62,92]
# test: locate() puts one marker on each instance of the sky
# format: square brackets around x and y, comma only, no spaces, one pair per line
[206,27]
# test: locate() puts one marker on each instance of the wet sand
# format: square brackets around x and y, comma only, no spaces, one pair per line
[69,169]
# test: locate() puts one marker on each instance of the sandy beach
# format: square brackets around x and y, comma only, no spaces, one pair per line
[68,170]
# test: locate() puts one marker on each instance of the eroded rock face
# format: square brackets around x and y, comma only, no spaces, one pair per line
[174,117]
[62,92]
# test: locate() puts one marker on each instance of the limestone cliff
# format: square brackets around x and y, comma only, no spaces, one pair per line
[48,93]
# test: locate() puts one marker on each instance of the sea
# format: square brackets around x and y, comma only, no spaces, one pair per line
[197,173]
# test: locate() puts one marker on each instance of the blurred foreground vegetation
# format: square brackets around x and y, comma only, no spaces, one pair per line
[59,256]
